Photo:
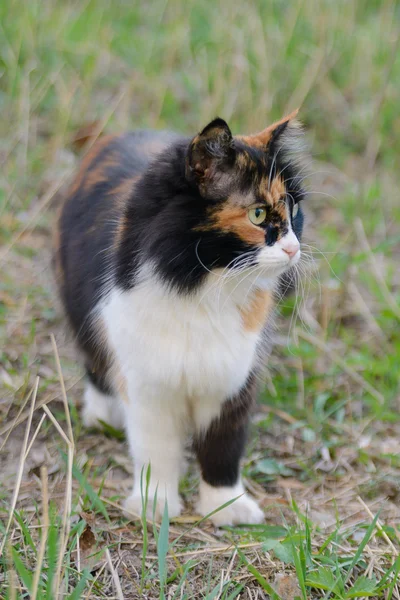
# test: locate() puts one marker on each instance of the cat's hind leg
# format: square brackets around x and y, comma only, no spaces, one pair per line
[101,405]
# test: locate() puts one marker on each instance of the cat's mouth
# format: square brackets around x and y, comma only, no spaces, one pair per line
[294,257]
[268,261]
[277,260]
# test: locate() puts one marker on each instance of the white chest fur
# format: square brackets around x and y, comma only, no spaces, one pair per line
[191,350]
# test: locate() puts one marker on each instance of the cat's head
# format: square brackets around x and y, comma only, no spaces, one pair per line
[243,205]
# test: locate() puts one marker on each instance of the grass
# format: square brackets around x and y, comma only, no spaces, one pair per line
[324,454]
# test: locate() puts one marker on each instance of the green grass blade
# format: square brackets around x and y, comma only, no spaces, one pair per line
[52,555]
[235,592]
[25,531]
[26,576]
[77,593]
[189,565]
[94,498]
[300,566]
[328,541]
[362,545]
[96,501]
[395,567]
[214,592]
[395,578]
[144,492]
[162,550]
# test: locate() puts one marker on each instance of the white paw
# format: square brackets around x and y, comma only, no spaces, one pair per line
[100,407]
[92,418]
[243,510]
[133,506]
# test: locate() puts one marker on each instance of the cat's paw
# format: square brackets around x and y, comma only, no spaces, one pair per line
[243,510]
[100,407]
[133,507]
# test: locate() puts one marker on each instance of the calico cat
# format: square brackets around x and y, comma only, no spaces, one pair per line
[169,255]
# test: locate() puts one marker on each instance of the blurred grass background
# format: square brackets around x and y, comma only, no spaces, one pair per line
[177,63]
[114,66]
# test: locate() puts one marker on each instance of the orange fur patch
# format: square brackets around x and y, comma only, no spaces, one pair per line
[244,161]
[236,220]
[122,193]
[273,192]
[254,316]
[252,140]
[124,189]
[261,139]
[88,159]
[100,174]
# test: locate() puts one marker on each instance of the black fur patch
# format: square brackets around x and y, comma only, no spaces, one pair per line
[221,447]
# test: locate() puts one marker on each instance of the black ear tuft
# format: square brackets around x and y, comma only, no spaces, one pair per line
[216,126]
[210,152]
[278,131]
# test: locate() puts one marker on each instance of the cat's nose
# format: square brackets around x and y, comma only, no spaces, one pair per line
[291,249]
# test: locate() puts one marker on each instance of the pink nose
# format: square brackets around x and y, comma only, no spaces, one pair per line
[291,249]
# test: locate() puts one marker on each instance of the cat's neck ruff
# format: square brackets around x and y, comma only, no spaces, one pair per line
[219,289]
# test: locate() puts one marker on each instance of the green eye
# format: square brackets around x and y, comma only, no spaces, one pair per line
[257,215]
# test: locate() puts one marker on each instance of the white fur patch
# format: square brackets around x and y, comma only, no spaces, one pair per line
[156,438]
[101,407]
[275,257]
[243,510]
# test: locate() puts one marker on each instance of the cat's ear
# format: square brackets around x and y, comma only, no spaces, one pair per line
[272,133]
[209,157]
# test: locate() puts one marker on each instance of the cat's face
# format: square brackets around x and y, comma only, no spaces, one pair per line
[253,192]
[262,219]
[234,206]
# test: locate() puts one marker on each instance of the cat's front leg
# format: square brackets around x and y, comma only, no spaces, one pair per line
[219,450]
[155,438]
